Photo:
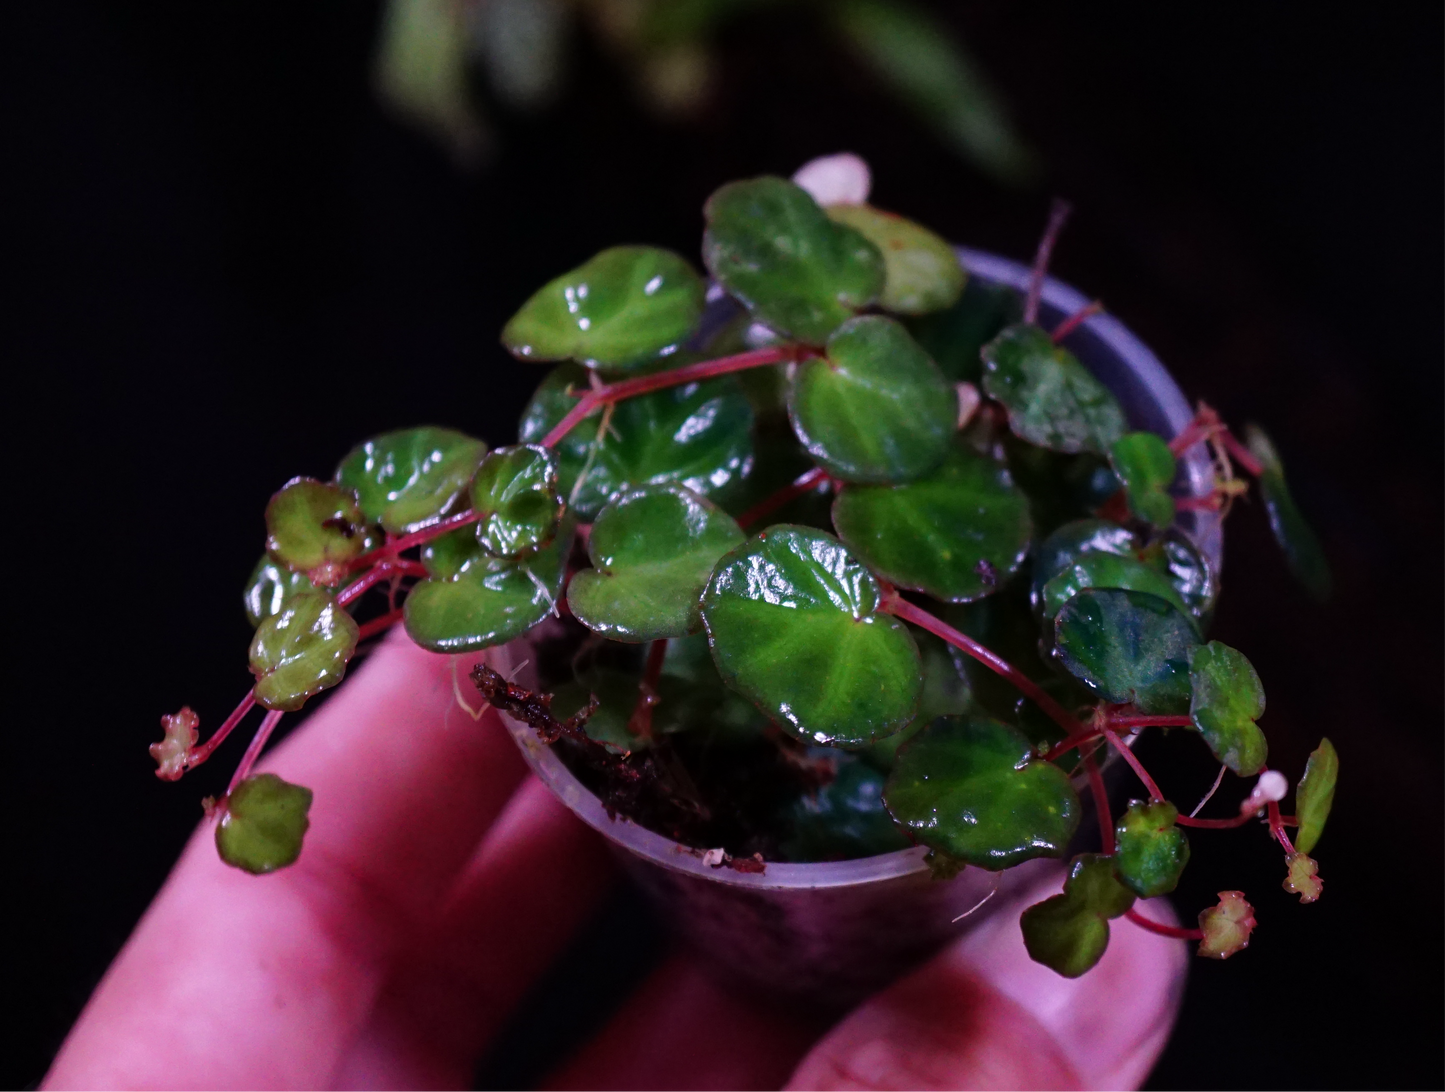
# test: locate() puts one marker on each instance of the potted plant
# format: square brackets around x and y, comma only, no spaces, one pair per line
[840,561]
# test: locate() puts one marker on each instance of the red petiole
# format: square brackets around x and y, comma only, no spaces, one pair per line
[253,752]
[1058,214]
[200,754]
[1074,321]
[1161,929]
[1134,763]
[1101,802]
[804,483]
[640,723]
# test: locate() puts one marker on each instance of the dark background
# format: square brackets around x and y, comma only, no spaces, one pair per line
[231,265]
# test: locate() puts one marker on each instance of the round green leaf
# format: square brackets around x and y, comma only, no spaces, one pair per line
[1152,851]
[1144,463]
[263,824]
[1127,646]
[407,479]
[301,651]
[1188,570]
[697,434]
[844,819]
[624,307]
[770,245]
[314,527]
[957,534]
[875,409]
[477,601]
[971,787]
[1051,398]
[652,551]
[1105,570]
[1227,699]
[1302,550]
[270,587]
[1068,933]
[921,271]
[1066,546]
[792,618]
[1316,795]
[515,497]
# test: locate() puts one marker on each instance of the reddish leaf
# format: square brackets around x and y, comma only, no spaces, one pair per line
[1227,926]
[173,752]
[1303,879]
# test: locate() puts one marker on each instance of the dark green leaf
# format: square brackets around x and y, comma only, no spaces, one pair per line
[1315,795]
[921,271]
[875,409]
[301,651]
[1296,538]
[955,338]
[1051,398]
[1144,463]
[792,618]
[515,496]
[652,551]
[407,479]
[1227,700]
[971,787]
[1063,549]
[270,587]
[1060,488]
[957,534]
[697,434]
[1068,933]
[1152,851]
[314,527]
[623,308]
[263,824]
[1098,569]
[770,245]
[1127,646]
[478,601]
[1188,570]
[844,819]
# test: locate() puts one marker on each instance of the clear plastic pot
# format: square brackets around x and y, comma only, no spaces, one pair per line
[834,932]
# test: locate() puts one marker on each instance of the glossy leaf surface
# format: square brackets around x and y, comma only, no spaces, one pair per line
[301,651]
[1068,933]
[1302,878]
[1106,570]
[1063,549]
[1302,550]
[263,824]
[477,601]
[921,271]
[1226,926]
[1188,570]
[792,619]
[314,527]
[515,496]
[1144,463]
[652,550]
[770,245]
[624,307]
[407,479]
[875,409]
[1315,795]
[971,787]
[270,587]
[1052,400]
[844,819]
[959,533]
[1152,851]
[1127,647]
[1227,699]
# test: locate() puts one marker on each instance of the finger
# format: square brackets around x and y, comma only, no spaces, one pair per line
[537,876]
[234,980]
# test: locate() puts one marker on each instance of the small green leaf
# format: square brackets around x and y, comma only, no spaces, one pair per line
[844,819]
[173,753]
[515,497]
[263,824]
[696,434]
[957,534]
[792,619]
[955,337]
[1226,927]
[1315,795]
[1227,699]
[1068,933]
[476,601]
[770,245]
[270,587]
[921,271]
[407,479]
[1051,398]
[301,651]
[1303,878]
[314,527]
[623,308]
[875,409]
[1146,466]
[1152,851]
[1099,569]
[971,787]
[1127,646]
[652,551]
[1302,550]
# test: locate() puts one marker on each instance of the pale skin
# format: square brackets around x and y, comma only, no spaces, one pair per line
[439,881]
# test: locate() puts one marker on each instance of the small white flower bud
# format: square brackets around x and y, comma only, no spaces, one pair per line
[842,179]
[1270,788]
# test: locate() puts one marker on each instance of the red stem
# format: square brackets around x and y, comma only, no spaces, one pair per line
[253,752]
[379,625]
[1074,321]
[1276,828]
[1163,930]
[1101,802]
[203,752]
[1134,763]
[899,607]
[1239,453]
[804,483]
[391,549]
[640,723]
[1069,744]
[1132,721]
[1214,824]
[1058,214]
[1207,503]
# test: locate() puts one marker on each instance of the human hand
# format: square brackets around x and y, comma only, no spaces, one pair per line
[439,881]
